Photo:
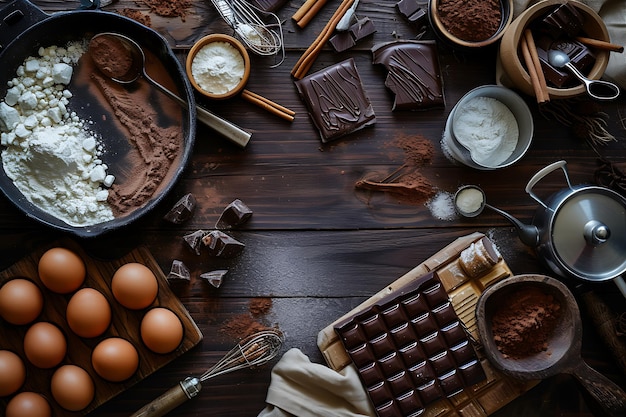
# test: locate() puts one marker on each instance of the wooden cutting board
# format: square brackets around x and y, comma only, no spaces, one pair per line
[481,399]
[125,324]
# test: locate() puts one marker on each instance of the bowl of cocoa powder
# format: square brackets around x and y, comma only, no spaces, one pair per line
[470,23]
[528,324]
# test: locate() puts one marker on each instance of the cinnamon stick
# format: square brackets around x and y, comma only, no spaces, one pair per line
[308,57]
[532,49]
[598,44]
[267,104]
[310,13]
[534,78]
[306,6]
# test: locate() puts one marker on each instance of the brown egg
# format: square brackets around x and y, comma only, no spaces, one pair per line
[21,301]
[88,313]
[12,373]
[28,404]
[115,359]
[134,286]
[161,330]
[44,345]
[72,387]
[61,270]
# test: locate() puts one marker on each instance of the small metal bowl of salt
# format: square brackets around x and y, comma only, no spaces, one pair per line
[469,201]
[490,127]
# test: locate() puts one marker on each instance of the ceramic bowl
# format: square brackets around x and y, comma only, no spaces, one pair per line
[207,40]
[511,58]
[442,31]
[516,105]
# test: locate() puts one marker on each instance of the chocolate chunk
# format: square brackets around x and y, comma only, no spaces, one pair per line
[413,73]
[222,245]
[214,278]
[235,214]
[194,240]
[179,271]
[182,210]
[411,10]
[342,41]
[564,20]
[336,100]
[580,56]
[411,349]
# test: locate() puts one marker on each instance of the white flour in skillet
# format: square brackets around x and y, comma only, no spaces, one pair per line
[49,153]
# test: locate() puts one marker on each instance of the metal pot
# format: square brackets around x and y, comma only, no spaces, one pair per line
[579,231]
[26,28]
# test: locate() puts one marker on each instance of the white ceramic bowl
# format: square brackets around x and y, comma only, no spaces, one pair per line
[520,111]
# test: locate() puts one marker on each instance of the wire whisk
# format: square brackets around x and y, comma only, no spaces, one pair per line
[255,350]
[259,37]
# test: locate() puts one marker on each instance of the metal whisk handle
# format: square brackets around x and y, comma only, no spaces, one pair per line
[175,396]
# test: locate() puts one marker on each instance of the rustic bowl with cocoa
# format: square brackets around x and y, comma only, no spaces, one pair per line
[581,24]
[530,328]
[470,24]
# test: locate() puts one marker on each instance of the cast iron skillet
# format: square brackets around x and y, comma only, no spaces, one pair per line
[24,28]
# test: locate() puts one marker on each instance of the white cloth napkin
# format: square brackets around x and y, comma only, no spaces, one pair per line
[613,13]
[302,388]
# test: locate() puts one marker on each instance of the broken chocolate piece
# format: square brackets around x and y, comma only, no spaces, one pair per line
[194,240]
[565,20]
[342,41]
[182,210]
[214,278]
[179,271]
[581,57]
[411,349]
[235,214]
[413,73]
[336,100]
[222,245]
[411,10]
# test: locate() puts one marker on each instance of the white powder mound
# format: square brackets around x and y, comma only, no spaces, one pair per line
[50,155]
[441,206]
[218,67]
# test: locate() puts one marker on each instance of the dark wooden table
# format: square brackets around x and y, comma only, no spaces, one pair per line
[314,245]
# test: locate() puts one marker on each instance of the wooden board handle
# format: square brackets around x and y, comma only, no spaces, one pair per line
[171,399]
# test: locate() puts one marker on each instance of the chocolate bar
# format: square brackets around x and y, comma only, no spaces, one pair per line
[582,57]
[336,100]
[413,73]
[411,349]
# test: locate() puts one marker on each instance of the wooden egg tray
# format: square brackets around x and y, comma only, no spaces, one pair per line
[124,323]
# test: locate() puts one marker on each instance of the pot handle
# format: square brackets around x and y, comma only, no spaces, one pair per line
[541,174]
[15,18]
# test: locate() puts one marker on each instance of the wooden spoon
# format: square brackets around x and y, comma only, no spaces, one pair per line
[563,354]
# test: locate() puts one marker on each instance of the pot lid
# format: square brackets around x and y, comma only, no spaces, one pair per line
[589,233]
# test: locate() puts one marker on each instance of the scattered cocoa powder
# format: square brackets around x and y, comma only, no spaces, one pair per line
[524,323]
[408,185]
[260,306]
[169,8]
[137,16]
[470,20]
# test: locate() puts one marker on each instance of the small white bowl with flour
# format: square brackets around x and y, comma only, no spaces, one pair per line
[490,127]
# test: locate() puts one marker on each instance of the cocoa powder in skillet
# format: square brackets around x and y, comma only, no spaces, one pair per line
[523,324]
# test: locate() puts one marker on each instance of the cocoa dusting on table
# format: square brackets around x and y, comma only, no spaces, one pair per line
[242,325]
[407,184]
[260,306]
[470,20]
[137,16]
[524,323]
[169,8]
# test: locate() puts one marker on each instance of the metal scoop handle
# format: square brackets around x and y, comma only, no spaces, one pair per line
[598,89]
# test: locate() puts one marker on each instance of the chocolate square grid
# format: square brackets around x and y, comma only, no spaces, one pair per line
[411,349]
